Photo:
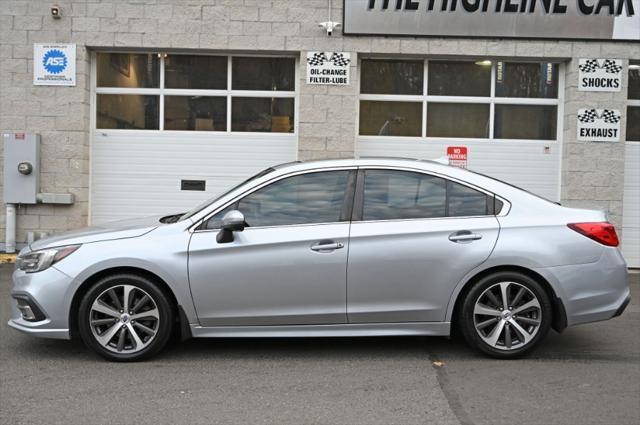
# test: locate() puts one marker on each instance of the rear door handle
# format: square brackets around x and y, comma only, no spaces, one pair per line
[465,236]
[326,246]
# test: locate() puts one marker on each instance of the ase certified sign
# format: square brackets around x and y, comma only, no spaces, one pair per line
[54,64]
[600,74]
[598,125]
[328,68]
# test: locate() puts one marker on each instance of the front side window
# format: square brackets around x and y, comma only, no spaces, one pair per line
[398,195]
[302,199]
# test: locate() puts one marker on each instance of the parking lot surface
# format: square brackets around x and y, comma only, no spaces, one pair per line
[588,375]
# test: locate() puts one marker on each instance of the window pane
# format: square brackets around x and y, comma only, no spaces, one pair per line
[303,199]
[390,118]
[263,114]
[633,123]
[195,72]
[459,79]
[128,70]
[526,80]
[457,120]
[634,79]
[392,77]
[127,111]
[395,195]
[195,113]
[263,74]
[464,201]
[525,122]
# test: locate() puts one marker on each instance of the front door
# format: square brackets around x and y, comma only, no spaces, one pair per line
[416,236]
[288,267]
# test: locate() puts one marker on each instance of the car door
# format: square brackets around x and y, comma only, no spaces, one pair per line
[288,266]
[413,238]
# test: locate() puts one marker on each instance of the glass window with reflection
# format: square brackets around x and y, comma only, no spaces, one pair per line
[534,79]
[302,199]
[127,111]
[468,120]
[272,74]
[195,72]
[128,70]
[392,77]
[448,78]
[262,114]
[390,118]
[198,113]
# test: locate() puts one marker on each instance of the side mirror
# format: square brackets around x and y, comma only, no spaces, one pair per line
[233,221]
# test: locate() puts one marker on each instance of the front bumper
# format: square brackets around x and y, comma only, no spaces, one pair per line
[47,292]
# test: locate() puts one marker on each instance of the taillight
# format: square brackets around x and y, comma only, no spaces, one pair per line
[601,232]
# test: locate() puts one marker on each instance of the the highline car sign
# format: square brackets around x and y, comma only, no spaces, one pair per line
[571,19]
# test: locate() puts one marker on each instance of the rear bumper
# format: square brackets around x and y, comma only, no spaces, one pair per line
[591,292]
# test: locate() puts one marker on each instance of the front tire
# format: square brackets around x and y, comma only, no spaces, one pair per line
[125,317]
[505,315]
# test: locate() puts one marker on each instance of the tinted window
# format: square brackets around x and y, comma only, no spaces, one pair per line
[263,74]
[464,201]
[304,199]
[459,79]
[390,195]
[397,195]
[129,70]
[392,77]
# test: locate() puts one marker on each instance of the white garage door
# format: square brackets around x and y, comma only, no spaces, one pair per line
[631,205]
[507,115]
[168,124]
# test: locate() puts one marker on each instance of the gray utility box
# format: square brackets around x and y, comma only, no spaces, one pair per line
[21,168]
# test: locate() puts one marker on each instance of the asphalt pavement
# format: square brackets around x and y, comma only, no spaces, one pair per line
[589,374]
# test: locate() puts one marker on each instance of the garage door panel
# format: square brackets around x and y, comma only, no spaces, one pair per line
[522,163]
[138,174]
[631,205]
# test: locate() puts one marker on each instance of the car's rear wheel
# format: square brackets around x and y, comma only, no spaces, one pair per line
[125,318]
[505,315]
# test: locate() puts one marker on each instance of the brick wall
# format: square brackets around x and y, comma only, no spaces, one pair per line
[592,173]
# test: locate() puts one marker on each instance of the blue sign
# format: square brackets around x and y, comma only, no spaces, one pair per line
[54,61]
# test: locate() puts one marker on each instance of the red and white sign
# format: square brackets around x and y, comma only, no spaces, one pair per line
[457,156]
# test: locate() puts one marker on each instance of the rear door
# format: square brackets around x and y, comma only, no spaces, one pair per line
[413,237]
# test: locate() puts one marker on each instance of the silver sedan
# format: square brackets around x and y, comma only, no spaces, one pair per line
[330,248]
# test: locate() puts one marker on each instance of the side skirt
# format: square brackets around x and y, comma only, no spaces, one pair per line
[353,329]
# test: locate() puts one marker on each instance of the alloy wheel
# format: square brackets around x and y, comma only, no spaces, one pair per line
[124,319]
[507,316]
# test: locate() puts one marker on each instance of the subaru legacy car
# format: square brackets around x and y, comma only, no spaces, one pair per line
[354,247]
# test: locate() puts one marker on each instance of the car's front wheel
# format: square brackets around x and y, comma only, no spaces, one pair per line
[125,317]
[505,315]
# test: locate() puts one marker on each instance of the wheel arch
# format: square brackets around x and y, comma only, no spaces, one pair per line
[86,284]
[559,319]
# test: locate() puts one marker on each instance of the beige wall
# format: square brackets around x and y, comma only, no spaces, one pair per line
[592,172]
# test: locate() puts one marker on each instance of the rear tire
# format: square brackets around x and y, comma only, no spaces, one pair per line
[505,315]
[125,317]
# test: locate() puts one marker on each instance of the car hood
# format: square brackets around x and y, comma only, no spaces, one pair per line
[108,231]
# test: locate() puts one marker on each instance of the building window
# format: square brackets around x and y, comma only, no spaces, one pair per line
[459,99]
[154,91]
[633,108]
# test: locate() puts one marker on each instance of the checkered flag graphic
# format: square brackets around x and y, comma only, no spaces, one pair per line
[610,117]
[338,59]
[589,115]
[608,65]
[589,66]
[317,59]
[611,67]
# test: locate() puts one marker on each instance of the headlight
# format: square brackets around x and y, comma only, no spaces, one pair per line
[36,261]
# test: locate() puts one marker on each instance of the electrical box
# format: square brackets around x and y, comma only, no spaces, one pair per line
[21,168]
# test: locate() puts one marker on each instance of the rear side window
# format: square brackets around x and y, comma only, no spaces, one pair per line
[397,195]
[302,199]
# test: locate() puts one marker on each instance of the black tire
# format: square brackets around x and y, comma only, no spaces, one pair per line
[141,287]
[467,318]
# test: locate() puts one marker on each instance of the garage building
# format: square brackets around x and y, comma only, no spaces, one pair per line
[175,101]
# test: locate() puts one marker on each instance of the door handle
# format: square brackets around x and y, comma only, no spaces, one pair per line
[465,236]
[330,246]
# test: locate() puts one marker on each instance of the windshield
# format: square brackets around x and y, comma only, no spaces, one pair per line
[212,200]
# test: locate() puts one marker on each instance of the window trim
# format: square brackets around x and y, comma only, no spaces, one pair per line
[630,102]
[358,207]
[229,93]
[491,100]
[346,211]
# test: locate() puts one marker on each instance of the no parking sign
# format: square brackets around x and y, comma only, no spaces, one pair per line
[457,156]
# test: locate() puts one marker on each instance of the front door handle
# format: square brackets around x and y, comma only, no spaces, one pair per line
[464,236]
[326,246]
